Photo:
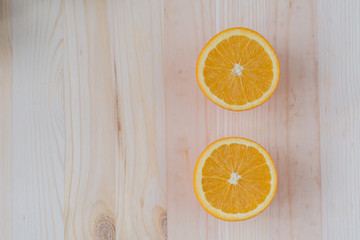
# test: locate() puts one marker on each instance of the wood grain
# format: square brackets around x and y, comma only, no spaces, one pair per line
[136,33]
[91,126]
[5,120]
[37,121]
[102,120]
[115,169]
[339,59]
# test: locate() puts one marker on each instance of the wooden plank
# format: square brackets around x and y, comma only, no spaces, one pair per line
[287,125]
[37,121]
[91,125]
[136,35]
[339,59]
[115,170]
[5,120]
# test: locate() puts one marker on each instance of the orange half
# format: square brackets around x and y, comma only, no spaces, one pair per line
[238,69]
[235,179]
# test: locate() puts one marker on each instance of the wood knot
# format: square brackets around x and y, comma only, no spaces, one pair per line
[105,230]
[163,224]
[160,218]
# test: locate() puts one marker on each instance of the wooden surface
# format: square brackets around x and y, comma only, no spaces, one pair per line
[102,121]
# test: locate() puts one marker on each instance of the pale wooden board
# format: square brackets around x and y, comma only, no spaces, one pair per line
[5,120]
[37,139]
[91,129]
[136,39]
[115,162]
[339,77]
[102,120]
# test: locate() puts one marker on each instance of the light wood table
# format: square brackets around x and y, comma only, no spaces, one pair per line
[102,120]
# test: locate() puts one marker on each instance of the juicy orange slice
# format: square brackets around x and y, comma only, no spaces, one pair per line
[238,69]
[235,179]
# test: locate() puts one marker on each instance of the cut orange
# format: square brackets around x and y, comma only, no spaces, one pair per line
[235,179]
[238,69]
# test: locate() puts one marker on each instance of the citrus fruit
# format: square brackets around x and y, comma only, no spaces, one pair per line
[238,69]
[235,179]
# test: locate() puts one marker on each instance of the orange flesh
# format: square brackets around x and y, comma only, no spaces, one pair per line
[247,192]
[256,75]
